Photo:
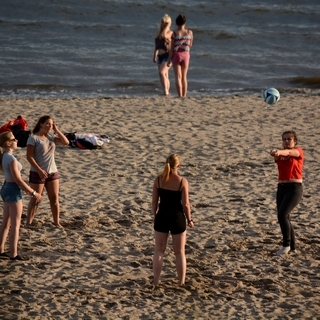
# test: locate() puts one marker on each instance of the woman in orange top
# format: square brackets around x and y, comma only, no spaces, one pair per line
[290,165]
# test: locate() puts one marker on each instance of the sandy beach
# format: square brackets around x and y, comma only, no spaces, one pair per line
[100,265]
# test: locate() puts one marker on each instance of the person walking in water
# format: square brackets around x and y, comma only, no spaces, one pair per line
[181,44]
[161,52]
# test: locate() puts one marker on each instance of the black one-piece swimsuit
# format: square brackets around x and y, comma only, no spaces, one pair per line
[170,217]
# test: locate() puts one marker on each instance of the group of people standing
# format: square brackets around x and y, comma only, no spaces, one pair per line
[173,48]
[170,197]
[43,174]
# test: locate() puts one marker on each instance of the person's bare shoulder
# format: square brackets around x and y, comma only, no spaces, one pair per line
[169,34]
[184,182]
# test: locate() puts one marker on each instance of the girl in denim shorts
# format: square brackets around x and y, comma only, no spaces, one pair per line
[161,52]
[11,194]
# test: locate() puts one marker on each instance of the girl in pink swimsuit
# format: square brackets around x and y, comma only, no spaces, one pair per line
[180,54]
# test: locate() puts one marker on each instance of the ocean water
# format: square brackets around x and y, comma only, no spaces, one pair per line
[102,48]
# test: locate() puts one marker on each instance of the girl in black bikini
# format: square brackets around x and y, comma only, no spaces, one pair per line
[170,215]
[161,52]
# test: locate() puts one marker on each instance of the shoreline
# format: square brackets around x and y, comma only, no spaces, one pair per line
[310,90]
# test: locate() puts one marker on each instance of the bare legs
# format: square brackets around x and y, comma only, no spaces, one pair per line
[53,194]
[180,73]
[179,241]
[160,247]
[33,204]
[52,188]
[164,77]
[12,213]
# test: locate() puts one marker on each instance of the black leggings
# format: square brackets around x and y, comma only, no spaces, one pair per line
[288,197]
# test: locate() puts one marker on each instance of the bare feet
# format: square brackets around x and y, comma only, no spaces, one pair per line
[156,284]
[58,225]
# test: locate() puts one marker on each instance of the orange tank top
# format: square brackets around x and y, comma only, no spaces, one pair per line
[290,167]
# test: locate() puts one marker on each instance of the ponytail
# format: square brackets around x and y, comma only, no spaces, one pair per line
[172,163]
[166,172]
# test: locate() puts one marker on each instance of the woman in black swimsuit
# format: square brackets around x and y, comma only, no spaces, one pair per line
[170,215]
[161,52]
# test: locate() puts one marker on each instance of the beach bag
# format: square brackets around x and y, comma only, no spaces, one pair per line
[19,128]
[19,123]
[6,127]
[84,141]
[22,136]
[87,143]
[71,136]
[16,124]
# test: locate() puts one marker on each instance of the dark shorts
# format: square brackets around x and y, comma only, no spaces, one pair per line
[11,192]
[162,58]
[35,178]
[174,222]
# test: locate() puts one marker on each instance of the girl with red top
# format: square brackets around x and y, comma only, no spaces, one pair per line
[290,165]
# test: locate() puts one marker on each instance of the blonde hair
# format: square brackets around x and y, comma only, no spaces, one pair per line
[166,18]
[4,138]
[172,163]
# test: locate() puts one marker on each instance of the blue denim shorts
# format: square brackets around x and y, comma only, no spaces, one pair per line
[11,192]
[163,58]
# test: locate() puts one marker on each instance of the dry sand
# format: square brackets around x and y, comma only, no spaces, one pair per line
[100,265]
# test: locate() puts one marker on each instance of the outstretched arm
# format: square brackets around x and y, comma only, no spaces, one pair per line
[285,153]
